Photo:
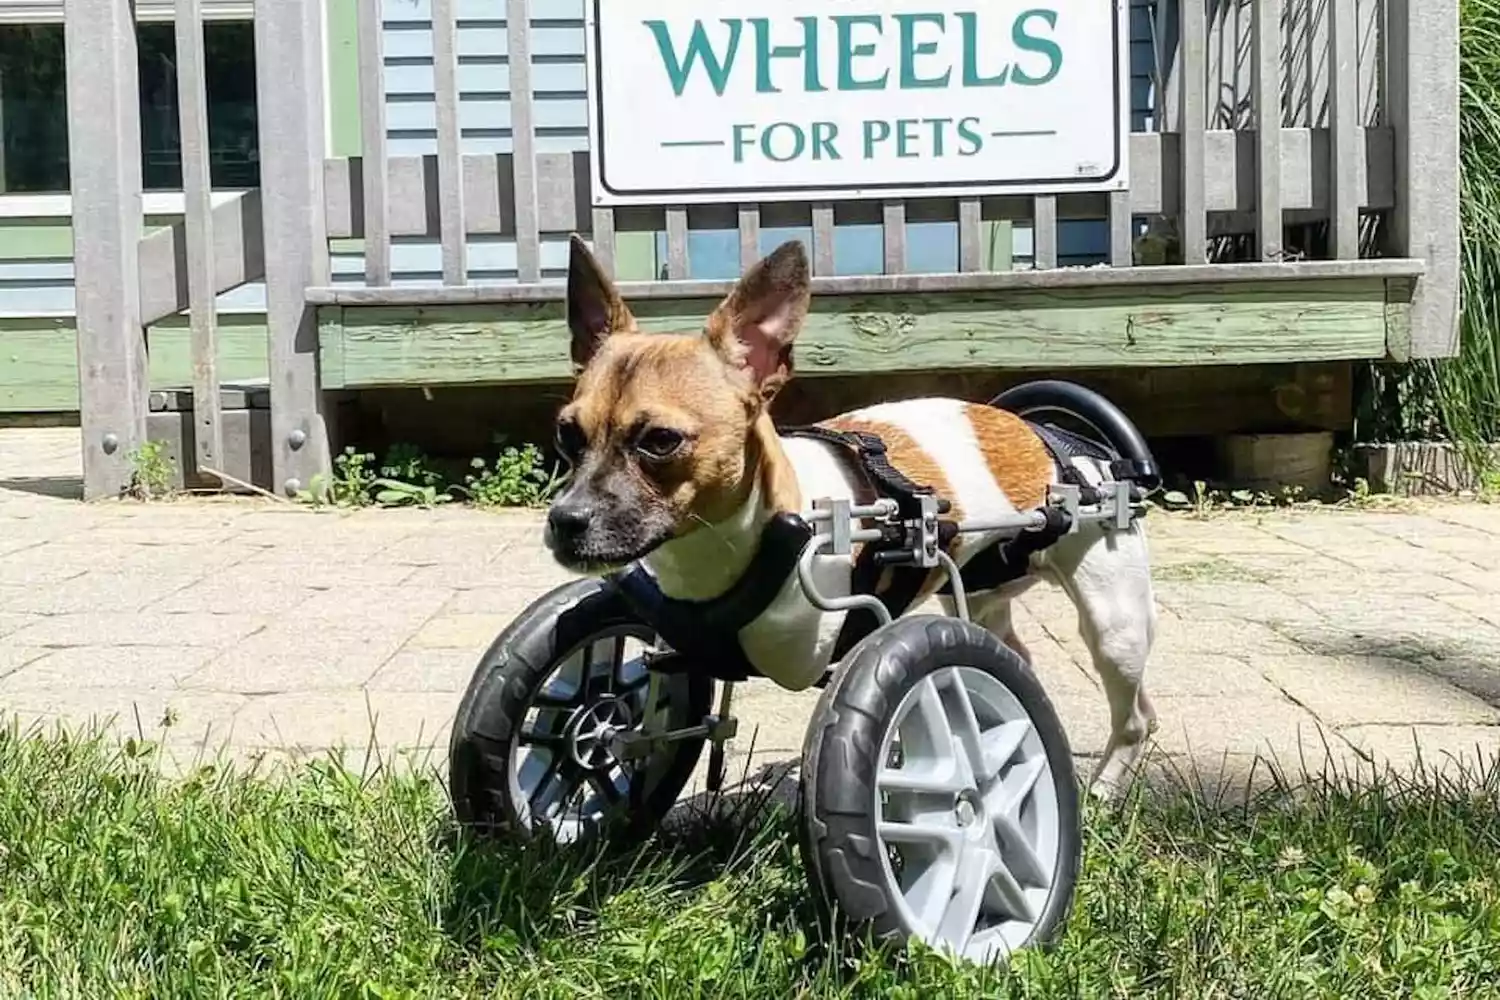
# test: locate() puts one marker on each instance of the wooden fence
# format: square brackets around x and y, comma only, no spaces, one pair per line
[1337,114]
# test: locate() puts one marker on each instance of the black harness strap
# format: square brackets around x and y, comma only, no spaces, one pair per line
[708,632]
[887,480]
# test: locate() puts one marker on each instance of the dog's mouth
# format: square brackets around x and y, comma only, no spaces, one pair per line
[597,560]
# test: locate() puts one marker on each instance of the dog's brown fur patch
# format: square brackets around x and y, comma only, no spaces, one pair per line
[904,454]
[676,382]
[1015,456]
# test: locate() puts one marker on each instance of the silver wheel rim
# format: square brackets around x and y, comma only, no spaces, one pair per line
[563,776]
[967,815]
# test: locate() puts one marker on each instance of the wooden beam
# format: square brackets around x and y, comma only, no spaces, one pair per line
[1229,186]
[1044,232]
[1345,169]
[903,284]
[1266,65]
[1192,54]
[374,160]
[104,155]
[238,252]
[1423,53]
[450,142]
[1233,323]
[289,82]
[523,137]
[197,188]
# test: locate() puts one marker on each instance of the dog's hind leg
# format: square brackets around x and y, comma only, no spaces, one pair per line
[1107,576]
[991,610]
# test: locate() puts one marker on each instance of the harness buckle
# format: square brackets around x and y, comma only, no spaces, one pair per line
[1068,497]
[927,544]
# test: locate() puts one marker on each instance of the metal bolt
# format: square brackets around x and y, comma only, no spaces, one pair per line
[292,486]
[297,438]
[110,444]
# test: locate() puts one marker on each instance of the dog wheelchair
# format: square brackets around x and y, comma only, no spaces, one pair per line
[938,796]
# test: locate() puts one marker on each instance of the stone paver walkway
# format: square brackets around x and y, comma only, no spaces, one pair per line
[275,628]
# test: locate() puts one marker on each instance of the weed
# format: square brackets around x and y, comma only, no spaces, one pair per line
[407,477]
[408,464]
[152,471]
[517,479]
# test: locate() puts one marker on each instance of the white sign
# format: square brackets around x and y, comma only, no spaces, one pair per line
[800,100]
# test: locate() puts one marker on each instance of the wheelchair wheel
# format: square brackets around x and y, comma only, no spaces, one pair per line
[939,798]
[530,750]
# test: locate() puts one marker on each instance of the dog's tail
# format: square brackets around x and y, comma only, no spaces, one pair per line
[1036,401]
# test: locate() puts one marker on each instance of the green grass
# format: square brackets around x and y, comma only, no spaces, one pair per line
[115,882]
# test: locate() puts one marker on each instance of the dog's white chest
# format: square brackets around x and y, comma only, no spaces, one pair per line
[792,642]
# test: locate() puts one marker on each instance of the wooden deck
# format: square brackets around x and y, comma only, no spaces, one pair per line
[1270,115]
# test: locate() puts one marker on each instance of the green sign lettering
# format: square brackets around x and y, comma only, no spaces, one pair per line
[699,49]
[911,48]
[1031,43]
[765,52]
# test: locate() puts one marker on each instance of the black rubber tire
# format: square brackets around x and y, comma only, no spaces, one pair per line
[506,681]
[840,763]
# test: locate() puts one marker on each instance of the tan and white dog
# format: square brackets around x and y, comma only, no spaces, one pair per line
[675,462]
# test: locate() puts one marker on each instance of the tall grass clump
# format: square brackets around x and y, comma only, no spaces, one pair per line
[1469,386]
[1458,399]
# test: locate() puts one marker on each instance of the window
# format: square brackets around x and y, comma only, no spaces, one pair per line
[34,119]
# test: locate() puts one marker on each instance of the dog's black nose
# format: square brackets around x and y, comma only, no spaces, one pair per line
[569,520]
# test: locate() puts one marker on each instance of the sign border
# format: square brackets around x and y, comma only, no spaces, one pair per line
[602,194]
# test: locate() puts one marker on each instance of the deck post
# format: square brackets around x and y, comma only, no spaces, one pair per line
[104,153]
[198,217]
[1423,54]
[289,94]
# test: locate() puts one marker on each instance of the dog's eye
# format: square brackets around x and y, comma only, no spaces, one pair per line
[570,440]
[660,442]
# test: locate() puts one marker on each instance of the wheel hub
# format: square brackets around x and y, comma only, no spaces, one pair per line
[966,808]
[591,732]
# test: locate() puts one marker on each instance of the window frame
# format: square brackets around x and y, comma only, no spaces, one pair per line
[60,206]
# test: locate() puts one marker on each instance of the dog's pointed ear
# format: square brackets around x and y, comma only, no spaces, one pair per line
[754,327]
[595,309]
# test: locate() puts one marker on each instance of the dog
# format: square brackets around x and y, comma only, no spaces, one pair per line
[675,464]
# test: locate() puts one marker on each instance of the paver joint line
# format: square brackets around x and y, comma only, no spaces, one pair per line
[279,626]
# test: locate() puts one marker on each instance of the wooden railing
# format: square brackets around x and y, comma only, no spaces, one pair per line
[1385,150]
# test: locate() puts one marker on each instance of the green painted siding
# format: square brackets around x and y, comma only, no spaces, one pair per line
[39,372]
[36,239]
[343,76]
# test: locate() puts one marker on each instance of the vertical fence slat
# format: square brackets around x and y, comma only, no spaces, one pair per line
[450,159]
[1344,180]
[1121,232]
[197,191]
[289,106]
[970,235]
[604,239]
[1192,48]
[104,149]
[1044,231]
[1266,70]
[1423,47]
[822,226]
[677,243]
[749,227]
[374,162]
[893,230]
[523,141]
